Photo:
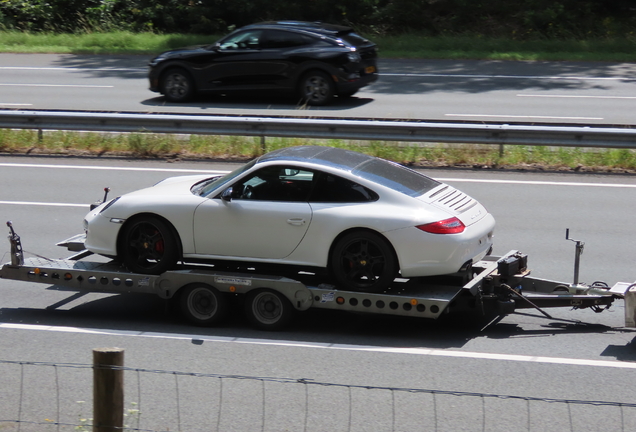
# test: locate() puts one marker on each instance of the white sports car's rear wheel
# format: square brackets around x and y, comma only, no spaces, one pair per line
[203,305]
[267,309]
[363,261]
[148,246]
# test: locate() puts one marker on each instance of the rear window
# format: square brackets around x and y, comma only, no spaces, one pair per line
[396,177]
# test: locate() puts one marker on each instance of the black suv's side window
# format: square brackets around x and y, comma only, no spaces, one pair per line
[331,188]
[276,39]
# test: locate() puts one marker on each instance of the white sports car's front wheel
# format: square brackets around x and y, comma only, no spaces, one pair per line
[148,246]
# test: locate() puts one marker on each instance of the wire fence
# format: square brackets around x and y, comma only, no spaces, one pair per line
[43,397]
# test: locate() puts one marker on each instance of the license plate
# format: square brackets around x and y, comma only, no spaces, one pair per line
[369,69]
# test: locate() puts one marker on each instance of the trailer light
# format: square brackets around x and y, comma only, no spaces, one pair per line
[446,226]
[36,271]
[232,288]
[340,300]
[414,302]
[68,276]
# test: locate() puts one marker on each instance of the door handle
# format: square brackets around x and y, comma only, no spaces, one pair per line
[296,221]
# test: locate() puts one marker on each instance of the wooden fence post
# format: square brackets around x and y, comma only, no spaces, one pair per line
[108,390]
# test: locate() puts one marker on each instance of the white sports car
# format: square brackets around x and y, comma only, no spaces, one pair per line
[366,220]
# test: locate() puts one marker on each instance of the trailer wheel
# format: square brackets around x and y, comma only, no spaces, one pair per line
[267,309]
[363,261]
[203,305]
[148,246]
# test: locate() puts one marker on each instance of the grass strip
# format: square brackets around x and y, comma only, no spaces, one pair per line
[211,147]
[402,46]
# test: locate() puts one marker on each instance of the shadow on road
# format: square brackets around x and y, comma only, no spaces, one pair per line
[413,76]
[259,102]
[140,313]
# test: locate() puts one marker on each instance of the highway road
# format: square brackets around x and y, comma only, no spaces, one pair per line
[496,91]
[577,355]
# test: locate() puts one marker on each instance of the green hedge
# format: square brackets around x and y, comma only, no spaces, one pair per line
[521,19]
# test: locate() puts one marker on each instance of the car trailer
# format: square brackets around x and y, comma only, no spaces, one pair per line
[494,286]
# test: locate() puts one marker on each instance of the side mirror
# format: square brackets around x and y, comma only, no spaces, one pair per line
[226,195]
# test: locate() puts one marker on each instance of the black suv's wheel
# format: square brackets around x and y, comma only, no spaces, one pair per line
[203,305]
[148,246]
[267,309]
[316,88]
[363,261]
[176,85]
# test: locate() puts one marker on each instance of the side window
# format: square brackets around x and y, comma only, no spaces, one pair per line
[243,40]
[331,188]
[276,39]
[275,183]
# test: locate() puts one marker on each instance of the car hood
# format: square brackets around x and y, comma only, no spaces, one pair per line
[180,185]
[180,52]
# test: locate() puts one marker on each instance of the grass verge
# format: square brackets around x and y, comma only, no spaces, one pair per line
[403,46]
[175,147]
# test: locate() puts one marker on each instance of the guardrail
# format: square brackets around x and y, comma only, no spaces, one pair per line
[385,130]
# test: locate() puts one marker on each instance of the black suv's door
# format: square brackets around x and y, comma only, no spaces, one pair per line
[252,60]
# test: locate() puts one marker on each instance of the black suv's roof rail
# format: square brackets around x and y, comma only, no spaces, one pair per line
[316,26]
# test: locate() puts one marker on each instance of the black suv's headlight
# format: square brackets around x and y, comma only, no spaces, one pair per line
[354,57]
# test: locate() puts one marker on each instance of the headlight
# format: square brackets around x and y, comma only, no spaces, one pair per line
[354,57]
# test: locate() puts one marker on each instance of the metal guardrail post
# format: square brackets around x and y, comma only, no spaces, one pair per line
[108,390]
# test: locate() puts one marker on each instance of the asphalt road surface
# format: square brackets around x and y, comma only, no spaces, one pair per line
[576,356]
[497,91]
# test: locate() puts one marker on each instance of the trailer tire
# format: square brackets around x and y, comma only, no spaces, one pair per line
[203,305]
[148,246]
[267,309]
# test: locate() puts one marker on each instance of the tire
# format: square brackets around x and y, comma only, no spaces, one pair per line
[176,85]
[203,305]
[148,246]
[267,309]
[316,88]
[363,261]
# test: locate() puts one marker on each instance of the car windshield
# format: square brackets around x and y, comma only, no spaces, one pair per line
[395,176]
[218,183]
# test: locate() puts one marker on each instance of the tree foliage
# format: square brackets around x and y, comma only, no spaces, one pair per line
[521,19]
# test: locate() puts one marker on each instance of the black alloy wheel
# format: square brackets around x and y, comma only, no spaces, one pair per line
[176,85]
[363,261]
[148,246]
[203,305]
[316,88]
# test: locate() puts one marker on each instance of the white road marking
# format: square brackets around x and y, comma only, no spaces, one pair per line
[111,168]
[57,85]
[15,104]
[541,183]
[73,69]
[523,116]
[576,96]
[547,77]
[361,348]
[43,204]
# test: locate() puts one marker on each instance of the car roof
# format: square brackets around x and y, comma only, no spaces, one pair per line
[315,27]
[341,159]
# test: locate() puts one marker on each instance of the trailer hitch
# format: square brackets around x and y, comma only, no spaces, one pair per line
[17,257]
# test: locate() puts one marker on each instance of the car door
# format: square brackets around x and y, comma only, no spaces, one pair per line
[265,216]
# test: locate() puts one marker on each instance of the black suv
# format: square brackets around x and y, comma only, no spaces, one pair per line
[315,61]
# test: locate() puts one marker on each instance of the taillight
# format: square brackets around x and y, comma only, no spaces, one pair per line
[446,226]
